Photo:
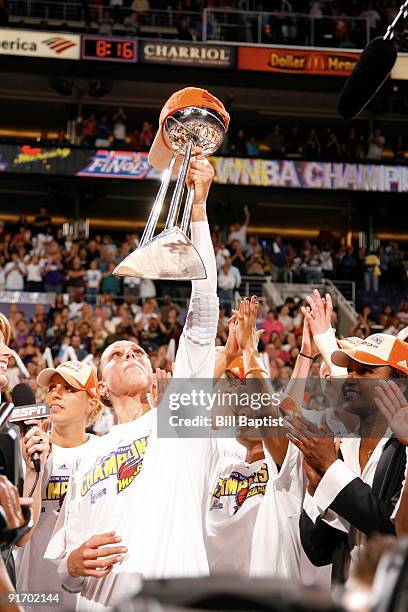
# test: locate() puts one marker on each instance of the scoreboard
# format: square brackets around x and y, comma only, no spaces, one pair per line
[112,49]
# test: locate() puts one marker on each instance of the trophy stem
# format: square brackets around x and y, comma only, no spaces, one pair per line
[175,203]
[185,221]
[158,203]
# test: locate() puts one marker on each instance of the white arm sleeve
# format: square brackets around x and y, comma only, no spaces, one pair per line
[67,536]
[326,343]
[196,355]
[201,238]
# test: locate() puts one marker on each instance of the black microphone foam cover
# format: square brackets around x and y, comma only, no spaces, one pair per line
[23,395]
[375,64]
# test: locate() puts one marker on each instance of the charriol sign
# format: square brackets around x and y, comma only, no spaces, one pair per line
[30,43]
[297,61]
[187,54]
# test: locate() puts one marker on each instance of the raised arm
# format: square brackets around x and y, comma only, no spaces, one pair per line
[229,352]
[295,388]
[248,338]
[319,318]
[196,354]
[247,216]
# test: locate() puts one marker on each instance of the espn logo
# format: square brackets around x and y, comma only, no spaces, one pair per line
[59,44]
[35,411]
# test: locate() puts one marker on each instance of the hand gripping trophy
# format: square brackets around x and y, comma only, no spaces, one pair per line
[191,117]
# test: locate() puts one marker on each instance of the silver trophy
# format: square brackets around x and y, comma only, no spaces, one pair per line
[171,255]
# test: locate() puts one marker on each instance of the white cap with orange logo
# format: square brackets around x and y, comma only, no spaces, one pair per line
[78,374]
[376,350]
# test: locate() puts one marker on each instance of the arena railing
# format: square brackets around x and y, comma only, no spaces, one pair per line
[213,24]
[286,28]
[43,9]
[250,285]
[76,12]
[27,297]
[345,307]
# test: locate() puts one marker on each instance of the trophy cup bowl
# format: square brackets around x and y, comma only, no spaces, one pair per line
[170,255]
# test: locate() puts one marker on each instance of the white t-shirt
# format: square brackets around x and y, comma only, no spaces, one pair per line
[34,273]
[93,278]
[252,519]
[375,149]
[15,278]
[151,491]
[147,288]
[240,235]
[34,573]
[226,281]
[119,130]
[221,257]
[327,261]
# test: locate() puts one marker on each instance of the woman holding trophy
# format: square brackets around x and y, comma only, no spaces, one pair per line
[135,505]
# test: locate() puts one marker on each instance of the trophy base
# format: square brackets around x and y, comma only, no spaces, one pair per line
[168,256]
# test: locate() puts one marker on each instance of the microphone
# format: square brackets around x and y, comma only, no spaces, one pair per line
[372,69]
[25,408]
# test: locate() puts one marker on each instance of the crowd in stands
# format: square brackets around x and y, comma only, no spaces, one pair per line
[291,141]
[102,308]
[37,257]
[325,144]
[238,255]
[342,23]
[106,132]
[336,23]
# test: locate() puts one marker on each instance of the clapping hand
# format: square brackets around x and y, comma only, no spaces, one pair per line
[393,405]
[247,334]
[232,346]
[319,312]
[317,444]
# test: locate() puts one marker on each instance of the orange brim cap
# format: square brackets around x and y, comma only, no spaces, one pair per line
[343,358]
[376,350]
[82,377]
[161,151]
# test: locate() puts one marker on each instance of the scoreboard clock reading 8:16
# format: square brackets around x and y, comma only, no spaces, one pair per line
[111,49]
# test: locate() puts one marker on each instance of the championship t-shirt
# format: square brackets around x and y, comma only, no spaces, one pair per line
[152,492]
[34,573]
[253,515]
